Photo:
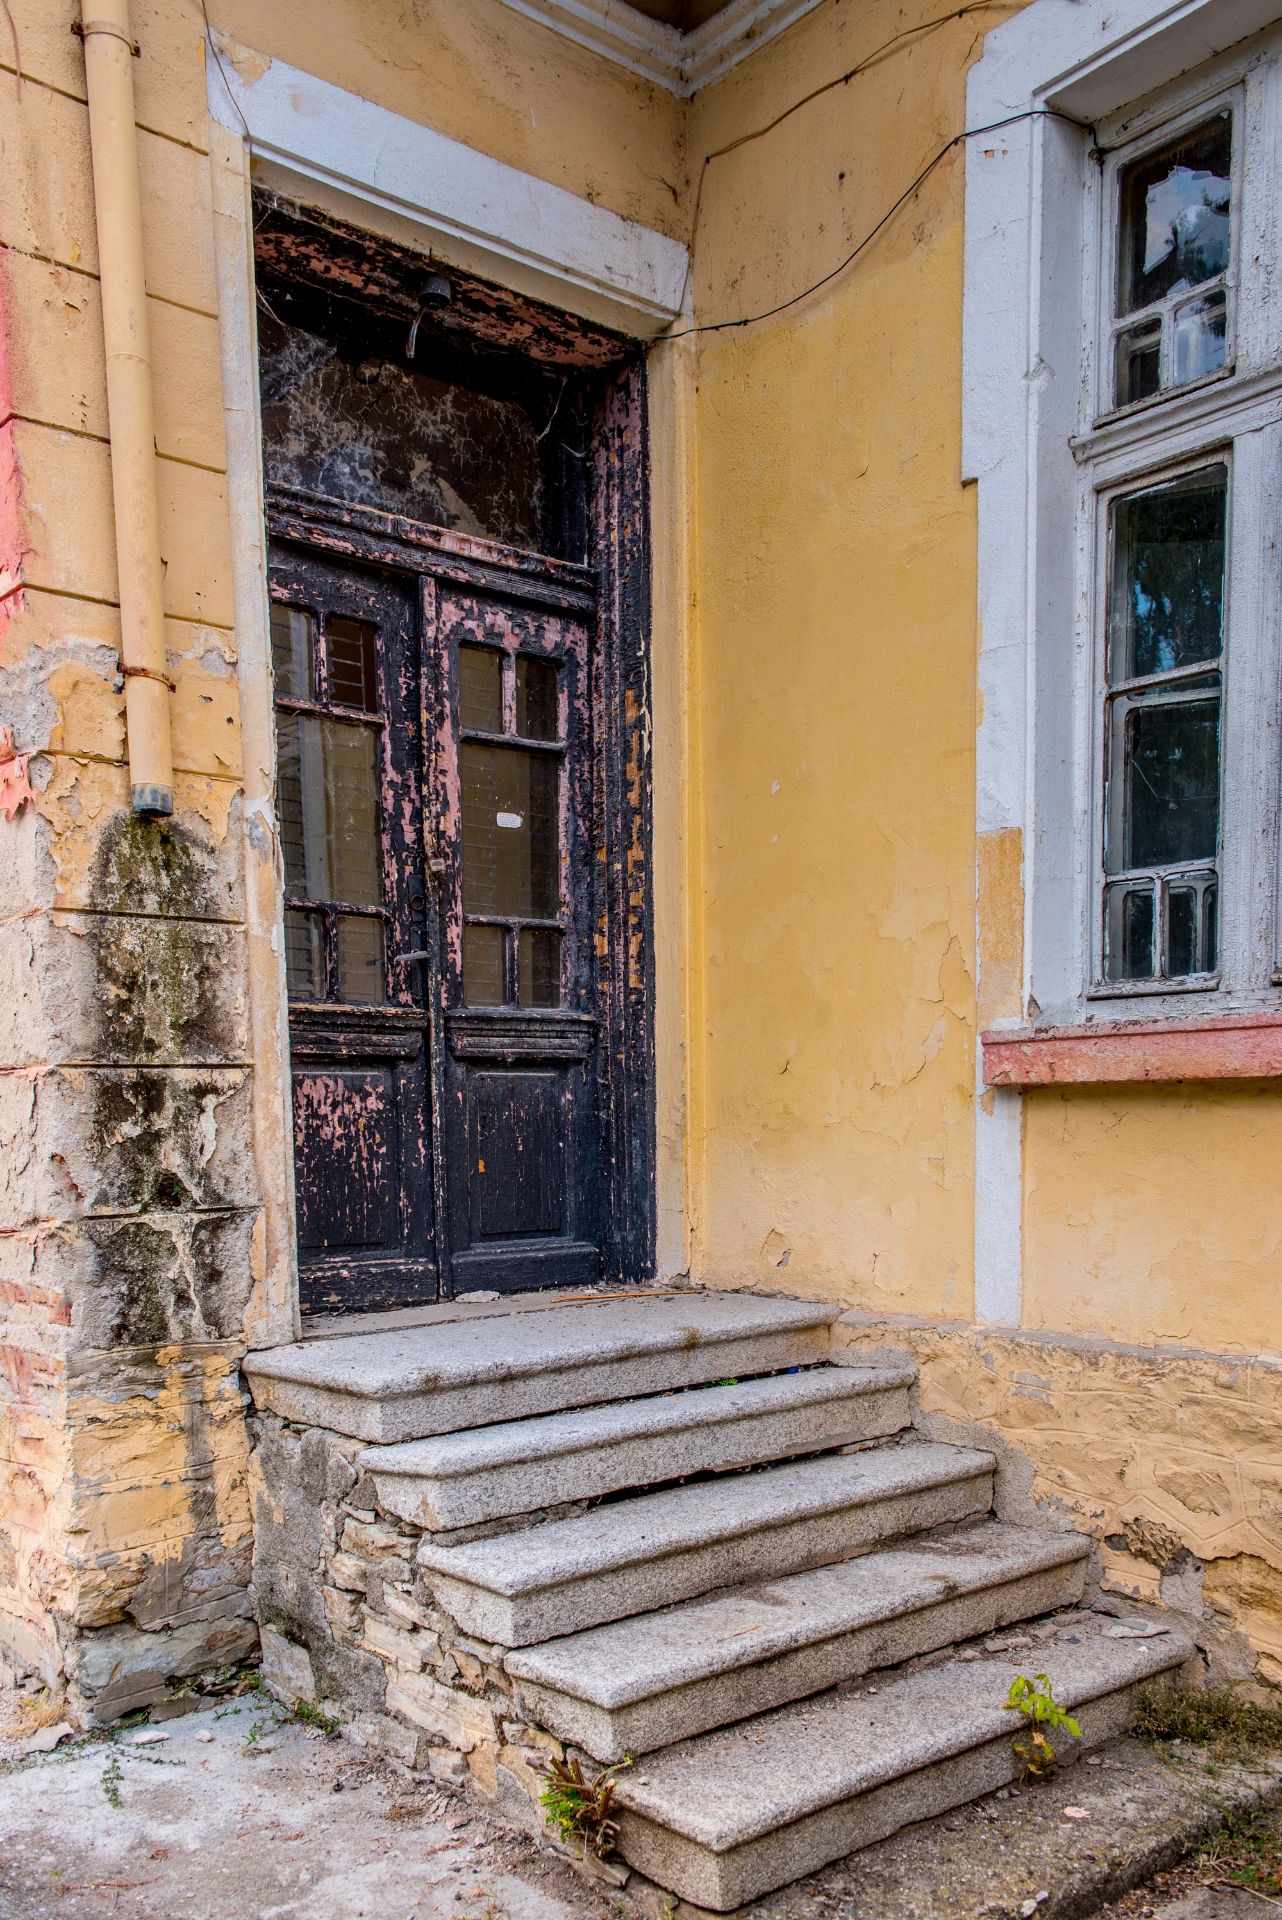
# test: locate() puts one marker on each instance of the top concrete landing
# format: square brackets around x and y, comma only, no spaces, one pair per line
[406,1383]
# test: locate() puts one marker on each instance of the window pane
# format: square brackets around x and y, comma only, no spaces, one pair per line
[480,689]
[1175,212]
[290,780]
[511,837]
[1199,337]
[353,677]
[1129,933]
[351,792]
[539,967]
[1167,600]
[327,799]
[1172,782]
[1139,363]
[361,974]
[536,702]
[1211,927]
[292,629]
[1181,931]
[484,966]
[304,955]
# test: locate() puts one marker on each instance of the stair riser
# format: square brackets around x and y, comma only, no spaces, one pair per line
[393,1418]
[728,1880]
[815,1541]
[525,1486]
[647,1725]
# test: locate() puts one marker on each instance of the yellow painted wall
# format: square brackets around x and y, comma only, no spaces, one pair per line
[835,662]
[1153,1213]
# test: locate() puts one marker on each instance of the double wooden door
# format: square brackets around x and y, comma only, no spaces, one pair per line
[440,804]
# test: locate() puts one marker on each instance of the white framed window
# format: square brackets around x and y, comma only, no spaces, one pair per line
[1124,422]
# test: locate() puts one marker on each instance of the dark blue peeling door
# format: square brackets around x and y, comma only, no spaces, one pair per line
[439,815]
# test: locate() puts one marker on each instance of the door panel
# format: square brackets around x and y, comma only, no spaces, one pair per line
[345,1156]
[518,1183]
[516,836]
[349,795]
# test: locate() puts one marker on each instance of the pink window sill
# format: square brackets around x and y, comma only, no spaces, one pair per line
[1232,1046]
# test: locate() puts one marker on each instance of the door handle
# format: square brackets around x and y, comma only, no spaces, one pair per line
[417,957]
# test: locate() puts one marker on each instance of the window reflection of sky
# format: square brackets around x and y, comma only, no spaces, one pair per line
[1187,218]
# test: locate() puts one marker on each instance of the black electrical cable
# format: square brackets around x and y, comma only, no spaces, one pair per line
[968,133]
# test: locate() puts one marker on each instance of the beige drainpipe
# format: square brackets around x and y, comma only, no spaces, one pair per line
[113,139]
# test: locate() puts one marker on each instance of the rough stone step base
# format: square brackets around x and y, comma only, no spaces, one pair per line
[730,1815]
[1014,1849]
[644,1683]
[634,1555]
[463,1479]
[402,1385]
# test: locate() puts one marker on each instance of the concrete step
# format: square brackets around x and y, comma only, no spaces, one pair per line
[730,1815]
[462,1479]
[405,1384]
[643,1683]
[633,1555]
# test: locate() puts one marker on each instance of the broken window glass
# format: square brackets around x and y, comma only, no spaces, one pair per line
[438,438]
[1174,248]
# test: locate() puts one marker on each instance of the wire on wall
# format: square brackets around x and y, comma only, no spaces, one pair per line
[936,159]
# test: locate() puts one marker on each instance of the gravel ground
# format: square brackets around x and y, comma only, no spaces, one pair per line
[289,1826]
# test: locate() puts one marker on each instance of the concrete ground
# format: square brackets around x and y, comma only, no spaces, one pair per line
[237,1814]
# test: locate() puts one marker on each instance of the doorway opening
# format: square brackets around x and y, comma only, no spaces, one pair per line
[456,487]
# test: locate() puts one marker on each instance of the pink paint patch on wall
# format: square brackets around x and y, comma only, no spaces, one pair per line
[16,789]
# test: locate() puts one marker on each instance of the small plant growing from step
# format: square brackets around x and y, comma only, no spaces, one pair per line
[1043,1715]
[579,1808]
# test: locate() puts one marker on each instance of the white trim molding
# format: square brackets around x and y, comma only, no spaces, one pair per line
[681,62]
[1030,267]
[470,208]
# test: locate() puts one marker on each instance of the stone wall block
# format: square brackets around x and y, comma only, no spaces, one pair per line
[287,1667]
[379,1541]
[325,1464]
[122,1669]
[343,1610]
[108,860]
[349,1573]
[134,1140]
[121,990]
[407,1611]
[287,1523]
[148,1280]
[456,1718]
[407,1650]
[168,91]
[347,1676]
[46,197]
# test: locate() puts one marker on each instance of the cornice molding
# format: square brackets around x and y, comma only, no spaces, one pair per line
[480,213]
[681,62]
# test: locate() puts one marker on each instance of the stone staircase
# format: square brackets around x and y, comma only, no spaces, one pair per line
[672,1527]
